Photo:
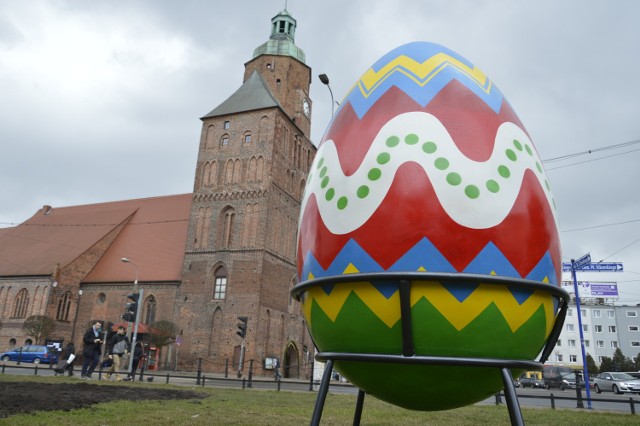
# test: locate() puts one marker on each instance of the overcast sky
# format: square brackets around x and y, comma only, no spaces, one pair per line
[100,100]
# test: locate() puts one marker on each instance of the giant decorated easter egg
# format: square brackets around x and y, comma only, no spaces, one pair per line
[426,168]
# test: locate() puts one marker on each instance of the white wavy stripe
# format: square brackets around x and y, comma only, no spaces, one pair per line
[486,211]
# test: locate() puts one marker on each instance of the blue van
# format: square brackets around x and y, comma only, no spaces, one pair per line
[31,353]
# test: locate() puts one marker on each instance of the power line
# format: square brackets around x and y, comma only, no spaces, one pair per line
[592,151]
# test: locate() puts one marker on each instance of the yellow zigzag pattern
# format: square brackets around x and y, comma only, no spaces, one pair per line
[459,314]
[418,72]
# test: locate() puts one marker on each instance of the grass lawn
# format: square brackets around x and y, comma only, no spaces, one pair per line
[260,407]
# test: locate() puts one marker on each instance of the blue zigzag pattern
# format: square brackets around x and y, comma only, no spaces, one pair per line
[424,255]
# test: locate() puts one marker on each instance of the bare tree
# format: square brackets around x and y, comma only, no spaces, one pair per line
[38,327]
[162,333]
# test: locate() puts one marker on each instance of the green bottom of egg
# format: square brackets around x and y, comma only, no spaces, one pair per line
[489,323]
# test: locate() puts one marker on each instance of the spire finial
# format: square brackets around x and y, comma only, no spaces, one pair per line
[285,4]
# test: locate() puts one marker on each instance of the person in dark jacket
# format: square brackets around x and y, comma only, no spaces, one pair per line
[138,354]
[91,349]
[118,347]
[69,350]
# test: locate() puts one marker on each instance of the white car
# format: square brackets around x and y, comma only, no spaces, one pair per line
[616,383]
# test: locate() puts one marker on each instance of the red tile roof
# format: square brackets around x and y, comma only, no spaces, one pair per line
[153,238]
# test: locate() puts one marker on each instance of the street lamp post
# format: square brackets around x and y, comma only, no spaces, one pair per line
[325,80]
[132,340]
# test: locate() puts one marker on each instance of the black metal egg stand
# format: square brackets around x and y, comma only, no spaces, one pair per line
[408,356]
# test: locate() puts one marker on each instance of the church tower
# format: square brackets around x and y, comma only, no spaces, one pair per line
[254,156]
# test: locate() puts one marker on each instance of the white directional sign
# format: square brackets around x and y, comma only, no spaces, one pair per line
[596,267]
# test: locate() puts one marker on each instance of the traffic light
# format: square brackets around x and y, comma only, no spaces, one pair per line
[131,308]
[242,327]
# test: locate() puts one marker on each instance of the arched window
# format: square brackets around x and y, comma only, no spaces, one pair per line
[227,221]
[228,172]
[246,139]
[197,241]
[209,140]
[213,175]
[237,171]
[224,141]
[150,310]
[220,283]
[251,170]
[206,172]
[260,169]
[264,128]
[216,332]
[64,304]
[21,304]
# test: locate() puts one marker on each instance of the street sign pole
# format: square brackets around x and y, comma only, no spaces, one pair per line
[584,260]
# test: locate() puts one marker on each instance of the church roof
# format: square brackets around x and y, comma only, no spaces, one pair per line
[150,231]
[252,95]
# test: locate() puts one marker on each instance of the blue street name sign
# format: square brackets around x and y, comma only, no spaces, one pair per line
[582,262]
[596,267]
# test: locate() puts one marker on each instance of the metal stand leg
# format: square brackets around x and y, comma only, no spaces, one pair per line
[359,403]
[512,399]
[322,393]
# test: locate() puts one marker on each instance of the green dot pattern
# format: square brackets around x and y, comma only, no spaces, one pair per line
[452,177]
[330,194]
[383,158]
[374,174]
[472,191]
[363,191]
[411,139]
[393,141]
[441,163]
[493,186]
[342,203]
[429,147]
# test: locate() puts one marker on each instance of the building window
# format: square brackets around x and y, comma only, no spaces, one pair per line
[596,313]
[585,327]
[571,343]
[21,305]
[611,314]
[614,344]
[632,314]
[573,358]
[64,304]
[247,139]
[570,327]
[597,328]
[224,141]
[559,357]
[227,125]
[559,342]
[583,313]
[150,307]
[612,329]
[600,343]
[220,287]
[634,328]
[570,312]
[635,343]
[586,343]
[600,359]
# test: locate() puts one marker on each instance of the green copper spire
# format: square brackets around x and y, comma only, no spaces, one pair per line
[282,40]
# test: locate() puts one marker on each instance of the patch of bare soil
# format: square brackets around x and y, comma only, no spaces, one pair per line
[27,397]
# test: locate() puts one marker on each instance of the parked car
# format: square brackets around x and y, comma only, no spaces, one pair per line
[565,381]
[616,383]
[531,382]
[30,353]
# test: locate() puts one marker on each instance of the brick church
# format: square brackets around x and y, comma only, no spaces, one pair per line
[201,260]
